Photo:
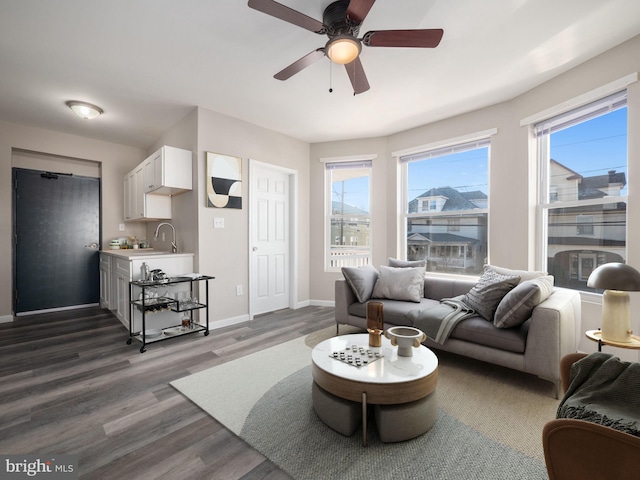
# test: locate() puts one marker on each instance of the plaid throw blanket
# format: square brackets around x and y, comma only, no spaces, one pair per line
[604,390]
[438,322]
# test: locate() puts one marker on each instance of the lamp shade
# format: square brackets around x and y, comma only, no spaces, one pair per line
[615,276]
[343,49]
[85,110]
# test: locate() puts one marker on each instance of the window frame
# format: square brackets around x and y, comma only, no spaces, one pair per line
[546,200]
[434,150]
[359,161]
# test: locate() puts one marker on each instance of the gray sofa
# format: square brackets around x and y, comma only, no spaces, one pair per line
[536,346]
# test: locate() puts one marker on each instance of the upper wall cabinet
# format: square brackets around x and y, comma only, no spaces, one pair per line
[168,171]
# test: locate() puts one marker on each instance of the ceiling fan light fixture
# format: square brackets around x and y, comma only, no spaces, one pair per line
[343,49]
[85,110]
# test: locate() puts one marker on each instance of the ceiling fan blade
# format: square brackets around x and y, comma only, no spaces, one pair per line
[287,14]
[301,64]
[357,76]
[428,38]
[358,10]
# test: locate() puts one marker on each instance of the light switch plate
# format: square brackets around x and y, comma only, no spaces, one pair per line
[218,222]
[121,227]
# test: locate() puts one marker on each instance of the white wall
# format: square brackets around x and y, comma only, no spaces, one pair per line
[512,180]
[224,253]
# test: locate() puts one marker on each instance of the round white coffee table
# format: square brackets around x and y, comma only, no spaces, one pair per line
[401,388]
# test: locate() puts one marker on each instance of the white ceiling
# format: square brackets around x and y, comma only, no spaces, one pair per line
[148,63]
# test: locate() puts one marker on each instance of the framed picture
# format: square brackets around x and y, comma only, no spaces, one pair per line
[224,181]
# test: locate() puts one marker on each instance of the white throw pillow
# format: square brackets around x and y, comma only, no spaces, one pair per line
[399,284]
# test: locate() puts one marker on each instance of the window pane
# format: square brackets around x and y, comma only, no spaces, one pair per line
[589,160]
[431,239]
[576,246]
[447,204]
[349,219]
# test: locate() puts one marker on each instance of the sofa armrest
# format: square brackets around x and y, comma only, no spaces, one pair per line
[344,298]
[552,333]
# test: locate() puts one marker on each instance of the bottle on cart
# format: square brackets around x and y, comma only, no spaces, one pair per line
[144,272]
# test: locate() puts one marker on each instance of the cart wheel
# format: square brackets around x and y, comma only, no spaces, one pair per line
[129,341]
[142,349]
[206,333]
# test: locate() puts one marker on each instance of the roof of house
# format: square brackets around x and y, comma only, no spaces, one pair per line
[455,200]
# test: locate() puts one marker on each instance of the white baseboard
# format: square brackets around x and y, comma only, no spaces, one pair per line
[227,322]
[322,303]
[6,318]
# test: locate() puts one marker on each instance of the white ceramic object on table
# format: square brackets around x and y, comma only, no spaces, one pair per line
[406,339]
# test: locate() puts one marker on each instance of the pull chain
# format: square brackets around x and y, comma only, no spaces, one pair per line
[330,77]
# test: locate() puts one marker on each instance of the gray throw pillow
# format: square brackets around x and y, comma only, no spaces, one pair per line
[399,284]
[516,306]
[361,280]
[394,262]
[485,296]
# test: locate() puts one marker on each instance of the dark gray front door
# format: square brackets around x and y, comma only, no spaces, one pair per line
[56,240]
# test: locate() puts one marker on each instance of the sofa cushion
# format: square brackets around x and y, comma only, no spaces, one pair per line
[517,305]
[394,262]
[485,296]
[394,312]
[399,284]
[479,331]
[361,280]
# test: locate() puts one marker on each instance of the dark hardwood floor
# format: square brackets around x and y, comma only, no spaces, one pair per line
[69,384]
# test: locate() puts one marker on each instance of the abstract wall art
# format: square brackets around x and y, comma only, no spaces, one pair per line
[224,181]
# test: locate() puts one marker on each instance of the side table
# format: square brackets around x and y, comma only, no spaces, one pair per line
[596,336]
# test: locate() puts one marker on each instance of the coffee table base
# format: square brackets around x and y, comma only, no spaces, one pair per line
[395,423]
[404,421]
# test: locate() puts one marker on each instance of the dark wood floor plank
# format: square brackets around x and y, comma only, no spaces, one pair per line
[69,383]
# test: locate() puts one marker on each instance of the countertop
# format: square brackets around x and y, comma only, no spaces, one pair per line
[135,253]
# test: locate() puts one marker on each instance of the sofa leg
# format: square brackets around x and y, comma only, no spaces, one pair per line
[337,329]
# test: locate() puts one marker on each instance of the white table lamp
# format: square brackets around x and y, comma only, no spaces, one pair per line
[616,279]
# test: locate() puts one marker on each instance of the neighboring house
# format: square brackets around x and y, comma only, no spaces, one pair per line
[583,237]
[452,233]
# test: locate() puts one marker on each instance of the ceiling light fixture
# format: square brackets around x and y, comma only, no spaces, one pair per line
[343,49]
[85,110]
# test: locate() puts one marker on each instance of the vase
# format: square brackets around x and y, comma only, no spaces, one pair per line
[406,339]
[375,323]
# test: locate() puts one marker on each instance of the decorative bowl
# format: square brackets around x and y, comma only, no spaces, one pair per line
[405,338]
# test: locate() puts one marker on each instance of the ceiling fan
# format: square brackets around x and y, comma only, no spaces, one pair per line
[341,22]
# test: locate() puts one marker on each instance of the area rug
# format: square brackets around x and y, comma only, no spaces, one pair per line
[489,422]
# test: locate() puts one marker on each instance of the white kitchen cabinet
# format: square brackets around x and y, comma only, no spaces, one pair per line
[105,281]
[140,206]
[125,267]
[168,171]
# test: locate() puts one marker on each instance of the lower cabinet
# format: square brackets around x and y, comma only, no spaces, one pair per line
[118,269]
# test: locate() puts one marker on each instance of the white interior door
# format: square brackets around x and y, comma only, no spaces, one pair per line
[270,239]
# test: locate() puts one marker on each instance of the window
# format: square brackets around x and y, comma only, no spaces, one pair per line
[583,211]
[452,181]
[348,214]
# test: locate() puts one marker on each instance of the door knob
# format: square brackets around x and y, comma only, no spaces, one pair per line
[255,249]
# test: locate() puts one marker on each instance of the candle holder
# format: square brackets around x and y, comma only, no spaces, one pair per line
[375,323]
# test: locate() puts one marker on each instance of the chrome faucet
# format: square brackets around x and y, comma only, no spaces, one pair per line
[174,246]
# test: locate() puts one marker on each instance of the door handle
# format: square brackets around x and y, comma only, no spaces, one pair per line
[92,246]
[255,249]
